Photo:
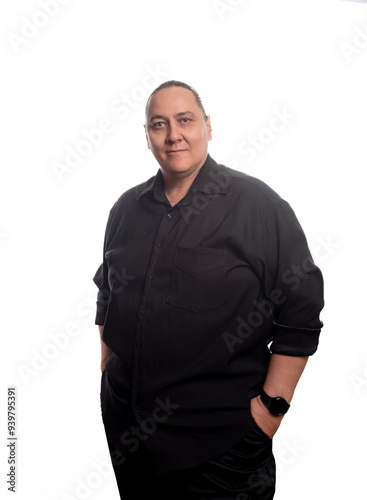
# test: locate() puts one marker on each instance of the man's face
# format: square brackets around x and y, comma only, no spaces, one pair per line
[177,132]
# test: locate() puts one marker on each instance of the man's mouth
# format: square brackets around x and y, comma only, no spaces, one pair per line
[176,151]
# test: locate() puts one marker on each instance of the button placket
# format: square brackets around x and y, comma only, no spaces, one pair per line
[158,246]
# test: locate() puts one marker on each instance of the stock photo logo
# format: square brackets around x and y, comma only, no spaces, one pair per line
[121,107]
[277,124]
[356,44]
[31,26]
[359,380]
[40,358]
[285,457]
[224,7]
[58,342]
[291,281]
[86,486]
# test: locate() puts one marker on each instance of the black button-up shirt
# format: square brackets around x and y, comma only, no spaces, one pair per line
[193,299]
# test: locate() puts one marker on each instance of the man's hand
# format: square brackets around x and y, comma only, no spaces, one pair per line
[267,422]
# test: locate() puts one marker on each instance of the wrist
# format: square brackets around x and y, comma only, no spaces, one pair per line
[267,422]
[277,406]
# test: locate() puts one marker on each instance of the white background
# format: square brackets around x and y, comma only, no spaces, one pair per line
[69,72]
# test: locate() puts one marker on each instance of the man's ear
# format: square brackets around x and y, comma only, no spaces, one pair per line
[209,125]
[146,136]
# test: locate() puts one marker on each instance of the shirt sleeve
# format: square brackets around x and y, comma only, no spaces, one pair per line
[101,280]
[293,284]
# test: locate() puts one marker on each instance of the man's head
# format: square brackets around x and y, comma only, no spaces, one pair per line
[177,128]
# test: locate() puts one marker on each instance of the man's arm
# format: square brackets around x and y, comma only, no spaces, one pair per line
[104,350]
[287,270]
[283,375]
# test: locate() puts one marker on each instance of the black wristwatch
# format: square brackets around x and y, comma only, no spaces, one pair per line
[276,406]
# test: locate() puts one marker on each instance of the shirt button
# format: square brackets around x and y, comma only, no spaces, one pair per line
[143,311]
[169,216]
[152,276]
[138,410]
[160,244]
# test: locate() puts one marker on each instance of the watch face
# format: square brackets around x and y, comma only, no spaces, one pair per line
[278,406]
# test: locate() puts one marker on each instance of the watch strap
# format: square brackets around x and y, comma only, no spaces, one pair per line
[277,406]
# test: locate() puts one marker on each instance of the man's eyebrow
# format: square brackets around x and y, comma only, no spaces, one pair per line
[156,117]
[182,113]
[186,113]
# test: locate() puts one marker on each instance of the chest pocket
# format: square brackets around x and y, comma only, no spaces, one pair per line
[197,281]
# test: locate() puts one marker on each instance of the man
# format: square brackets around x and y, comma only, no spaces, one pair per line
[208,307]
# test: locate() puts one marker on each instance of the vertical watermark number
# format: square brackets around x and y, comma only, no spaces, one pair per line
[11,441]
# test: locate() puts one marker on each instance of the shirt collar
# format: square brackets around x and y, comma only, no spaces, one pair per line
[210,180]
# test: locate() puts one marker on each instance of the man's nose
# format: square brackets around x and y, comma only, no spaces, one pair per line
[173,134]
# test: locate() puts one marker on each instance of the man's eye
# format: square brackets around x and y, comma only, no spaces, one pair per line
[185,120]
[158,124]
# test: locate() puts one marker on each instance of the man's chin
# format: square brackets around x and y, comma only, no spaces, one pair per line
[177,165]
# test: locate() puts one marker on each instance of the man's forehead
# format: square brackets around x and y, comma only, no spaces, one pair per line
[173,100]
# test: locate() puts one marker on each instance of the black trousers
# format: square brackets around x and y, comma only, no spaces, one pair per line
[245,472]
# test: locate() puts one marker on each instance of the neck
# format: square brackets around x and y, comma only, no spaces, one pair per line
[176,187]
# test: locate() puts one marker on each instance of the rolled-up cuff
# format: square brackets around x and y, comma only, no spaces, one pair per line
[100,315]
[101,306]
[294,341]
